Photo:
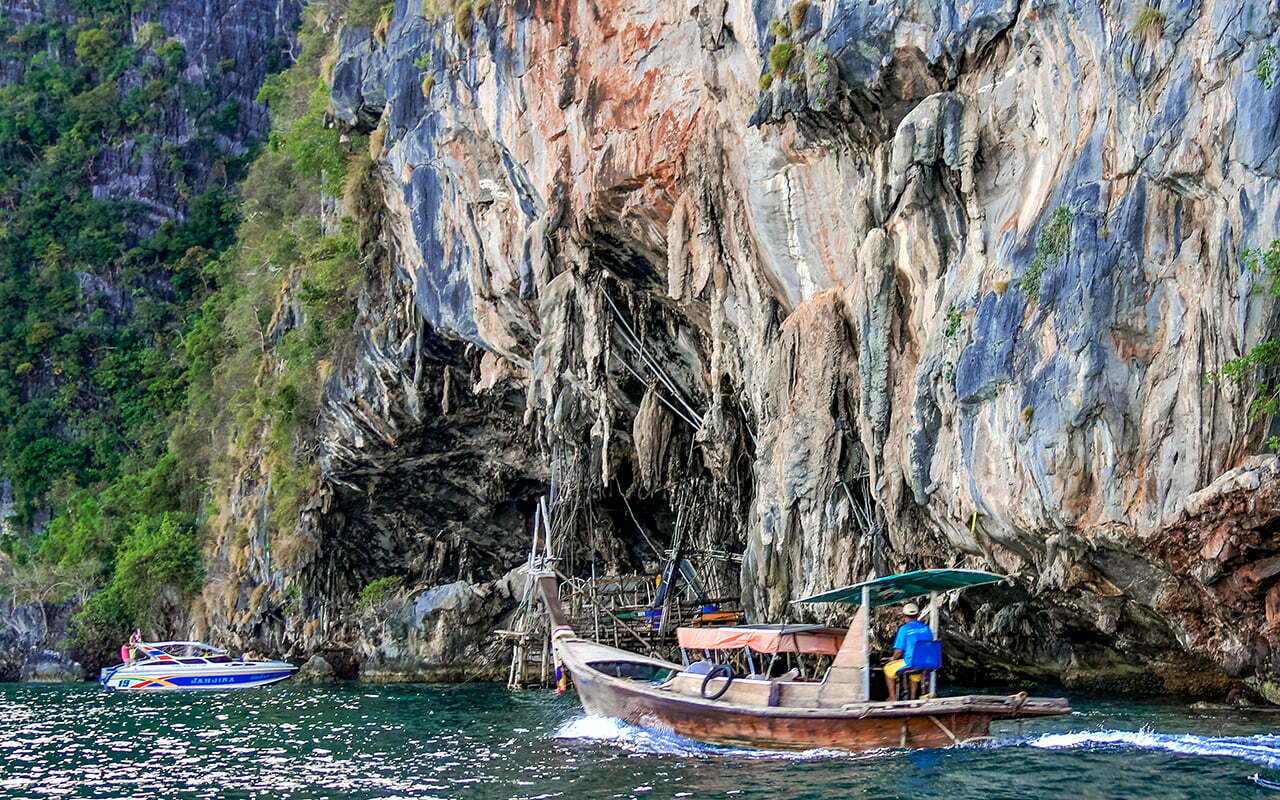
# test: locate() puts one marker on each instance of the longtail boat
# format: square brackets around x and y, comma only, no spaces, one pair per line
[706,702]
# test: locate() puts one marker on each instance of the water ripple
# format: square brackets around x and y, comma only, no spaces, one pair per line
[650,742]
[352,742]
[1261,749]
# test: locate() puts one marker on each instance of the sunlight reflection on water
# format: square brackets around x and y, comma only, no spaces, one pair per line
[350,741]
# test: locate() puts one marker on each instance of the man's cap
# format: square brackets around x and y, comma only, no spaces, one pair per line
[911,610]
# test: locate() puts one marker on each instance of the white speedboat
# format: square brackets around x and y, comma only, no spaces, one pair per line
[171,666]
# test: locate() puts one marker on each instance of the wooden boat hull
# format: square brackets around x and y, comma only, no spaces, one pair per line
[793,729]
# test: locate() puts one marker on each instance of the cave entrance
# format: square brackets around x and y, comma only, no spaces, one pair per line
[634,570]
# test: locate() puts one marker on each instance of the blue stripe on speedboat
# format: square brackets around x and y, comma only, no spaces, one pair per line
[227,680]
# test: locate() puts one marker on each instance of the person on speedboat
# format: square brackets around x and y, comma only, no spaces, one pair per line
[910,630]
[127,649]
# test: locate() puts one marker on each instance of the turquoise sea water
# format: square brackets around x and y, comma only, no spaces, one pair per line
[478,741]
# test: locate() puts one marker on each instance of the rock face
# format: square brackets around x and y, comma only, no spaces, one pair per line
[970,263]
[940,288]
[316,670]
[28,643]
[229,46]
[433,637]
[425,482]
[50,666]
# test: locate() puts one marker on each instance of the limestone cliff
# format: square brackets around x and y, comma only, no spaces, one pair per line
[855,285]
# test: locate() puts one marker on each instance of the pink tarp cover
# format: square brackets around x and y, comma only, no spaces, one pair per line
[822,641]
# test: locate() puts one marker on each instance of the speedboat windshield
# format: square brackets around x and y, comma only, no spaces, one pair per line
[170,650]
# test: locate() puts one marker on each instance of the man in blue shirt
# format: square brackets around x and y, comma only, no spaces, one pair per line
[908,631]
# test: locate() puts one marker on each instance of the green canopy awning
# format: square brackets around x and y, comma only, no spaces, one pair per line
[899,588]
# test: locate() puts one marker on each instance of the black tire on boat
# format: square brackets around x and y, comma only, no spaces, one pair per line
[718,670]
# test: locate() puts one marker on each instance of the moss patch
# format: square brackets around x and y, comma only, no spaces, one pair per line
[780,57]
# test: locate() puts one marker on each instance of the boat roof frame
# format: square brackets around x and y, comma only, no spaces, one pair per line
[177,643]
[893,589]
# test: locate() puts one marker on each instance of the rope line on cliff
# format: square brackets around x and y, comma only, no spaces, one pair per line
[659,395]
[629,335]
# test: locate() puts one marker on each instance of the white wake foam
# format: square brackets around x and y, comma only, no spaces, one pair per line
[650,742]
[1261,749]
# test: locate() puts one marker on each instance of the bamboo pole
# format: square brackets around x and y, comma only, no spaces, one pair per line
[935,618]
[866,645]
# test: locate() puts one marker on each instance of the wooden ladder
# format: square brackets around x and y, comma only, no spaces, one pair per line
[530,663]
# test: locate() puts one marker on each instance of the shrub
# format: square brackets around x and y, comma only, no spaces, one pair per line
[292,598]
[314,148]
[462,19]
[428,82]
[365,13]
[94,47]
[779,30]
[821,57]
[98,109]
[377,590]
[160,552]
[798,11]
[953,319]
[1149,24]
[1258,366]
[766,80]
[1054,243]
[150,34]
[100,627]
[157,566]
[1265,69]
[173,54]
[363,201]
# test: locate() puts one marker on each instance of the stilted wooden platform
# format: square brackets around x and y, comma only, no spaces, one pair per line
[619,610]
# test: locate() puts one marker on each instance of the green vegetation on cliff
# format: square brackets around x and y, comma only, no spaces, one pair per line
[1053,244]
[1259,366]
[93,305]
[138,372]
[89,309]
